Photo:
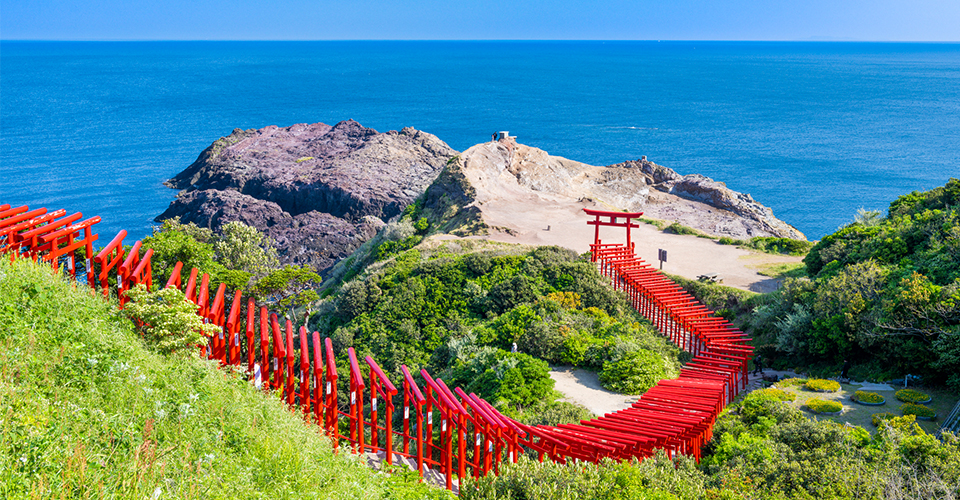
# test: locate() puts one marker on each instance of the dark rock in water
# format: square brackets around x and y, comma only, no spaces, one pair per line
[318,191]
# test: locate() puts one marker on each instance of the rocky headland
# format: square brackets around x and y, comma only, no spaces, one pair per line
[321,191]
[504,172]
[318,191]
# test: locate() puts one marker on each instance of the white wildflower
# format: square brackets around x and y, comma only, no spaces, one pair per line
[185,410]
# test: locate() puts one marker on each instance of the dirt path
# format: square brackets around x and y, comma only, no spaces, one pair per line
[583,387]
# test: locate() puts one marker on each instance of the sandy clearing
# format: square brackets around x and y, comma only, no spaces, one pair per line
[583,387]
[533,221]
[526,196]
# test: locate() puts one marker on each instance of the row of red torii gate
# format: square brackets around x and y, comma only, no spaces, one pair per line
[443,431]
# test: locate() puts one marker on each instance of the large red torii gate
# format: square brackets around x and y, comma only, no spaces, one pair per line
[613,216]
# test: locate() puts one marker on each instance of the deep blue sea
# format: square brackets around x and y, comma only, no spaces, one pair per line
[813,130]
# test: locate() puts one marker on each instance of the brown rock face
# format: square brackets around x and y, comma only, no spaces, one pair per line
[318,191]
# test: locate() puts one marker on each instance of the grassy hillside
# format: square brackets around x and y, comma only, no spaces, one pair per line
[88,410]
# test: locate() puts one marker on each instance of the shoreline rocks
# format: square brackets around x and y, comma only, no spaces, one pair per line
[318,191]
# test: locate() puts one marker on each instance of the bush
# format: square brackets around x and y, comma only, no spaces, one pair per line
[778,394]
[880,417]
[823,406]
[917,410]
[822,385]
[780,245]
[167,320]
[912,396]
[868,397]
[789,382]
[558,412]
[633,373]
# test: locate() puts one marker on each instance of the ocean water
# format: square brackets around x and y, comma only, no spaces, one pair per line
[813,130]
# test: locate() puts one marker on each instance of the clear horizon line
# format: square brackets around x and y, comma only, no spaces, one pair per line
[801,40]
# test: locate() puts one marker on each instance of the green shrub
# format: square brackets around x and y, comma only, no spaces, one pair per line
[167,320]
[868,397]
[775,393]
[726,240]
[879,417]
[780,245]
[917,410]
[823,406]
[912,396]
[633,373]
[790,382]
[558,412]
[822,385]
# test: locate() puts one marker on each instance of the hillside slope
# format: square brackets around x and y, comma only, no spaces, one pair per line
[87,410]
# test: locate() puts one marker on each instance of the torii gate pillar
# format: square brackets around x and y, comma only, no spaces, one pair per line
[613,220]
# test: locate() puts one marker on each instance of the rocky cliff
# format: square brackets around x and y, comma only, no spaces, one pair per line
[511,180]
[318,191]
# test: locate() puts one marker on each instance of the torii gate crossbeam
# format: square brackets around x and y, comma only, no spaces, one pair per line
[612,221]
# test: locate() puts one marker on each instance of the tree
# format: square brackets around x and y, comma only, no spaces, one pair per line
[242,247]
[174,242]
[231,258]
[292,287]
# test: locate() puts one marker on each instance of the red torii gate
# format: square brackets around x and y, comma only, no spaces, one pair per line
[613,216]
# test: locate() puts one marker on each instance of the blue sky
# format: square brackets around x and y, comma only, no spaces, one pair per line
[868,20]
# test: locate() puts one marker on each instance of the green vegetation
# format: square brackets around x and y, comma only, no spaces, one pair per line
[917,410]
[912,396]
[762,448]
[822,406]
[778,394]
[459,314]
[167,320]
[236,256]
[882,416]
[784,270]
[290,287]
[868,397]
[659,224]
[790,382]
[821,385]
[677,228]
[883,293]
[770,244]
[90,409]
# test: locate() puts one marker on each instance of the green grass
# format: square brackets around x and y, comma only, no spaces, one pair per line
[677,228]
[88,410]
[659,224]
[784,270]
